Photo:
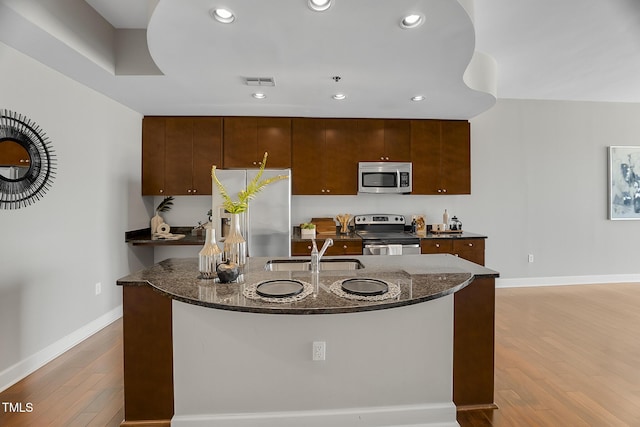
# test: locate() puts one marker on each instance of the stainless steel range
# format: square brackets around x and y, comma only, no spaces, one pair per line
[384,234]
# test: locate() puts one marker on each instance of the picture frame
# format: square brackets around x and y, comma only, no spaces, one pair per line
[624,182]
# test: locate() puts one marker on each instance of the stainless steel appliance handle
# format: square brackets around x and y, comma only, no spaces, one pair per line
[373,249]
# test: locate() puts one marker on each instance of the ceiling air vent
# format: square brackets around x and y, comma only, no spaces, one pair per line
[259,81]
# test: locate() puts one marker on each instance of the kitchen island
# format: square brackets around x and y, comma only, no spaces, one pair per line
[198,353]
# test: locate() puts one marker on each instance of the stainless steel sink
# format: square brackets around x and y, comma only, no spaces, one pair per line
[305,264]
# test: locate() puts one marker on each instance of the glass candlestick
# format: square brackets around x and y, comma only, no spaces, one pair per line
[210,255]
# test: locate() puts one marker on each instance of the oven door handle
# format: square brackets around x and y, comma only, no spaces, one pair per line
[376,249]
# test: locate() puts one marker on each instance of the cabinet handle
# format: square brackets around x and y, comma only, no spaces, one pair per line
[309,247]
[444,190]
[470,244]
[161,191]
[195,191]
[439,190]
[344,247]
[386,158]
[456,255]
[437,245]
[328,191]
[381,157]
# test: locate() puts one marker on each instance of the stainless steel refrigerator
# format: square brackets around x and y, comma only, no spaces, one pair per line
[266,226]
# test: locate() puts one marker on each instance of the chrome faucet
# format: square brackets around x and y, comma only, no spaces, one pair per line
[317,256]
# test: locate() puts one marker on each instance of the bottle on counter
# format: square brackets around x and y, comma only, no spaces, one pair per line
[445,219]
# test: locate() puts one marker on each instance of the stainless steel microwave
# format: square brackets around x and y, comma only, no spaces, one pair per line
[384,177]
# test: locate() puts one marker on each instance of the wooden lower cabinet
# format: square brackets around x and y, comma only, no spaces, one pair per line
[343,247]
[474,344]
[473,326]
[469,249]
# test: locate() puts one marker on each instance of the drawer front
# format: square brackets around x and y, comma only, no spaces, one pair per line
[301,248]
[436,246]
[470,249]
[346,247]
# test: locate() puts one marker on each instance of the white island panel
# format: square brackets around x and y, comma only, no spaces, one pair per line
[383,368]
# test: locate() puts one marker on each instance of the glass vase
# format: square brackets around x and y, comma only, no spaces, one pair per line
[210,255]
[235,246]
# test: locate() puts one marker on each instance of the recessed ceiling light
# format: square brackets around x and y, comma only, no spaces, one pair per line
[223,15]
[259,95]
[417,98]
[411,21]
[339,96]
[319,5]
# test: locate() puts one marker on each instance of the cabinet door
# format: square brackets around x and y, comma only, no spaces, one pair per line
[240,142]
[470,249]
[455,153]
[153,142]
[370,140]
[274,137]
[307,150]
[247,138]
[425,156]
[383,140]
[436,246]
[441,156]
[178,156]
[339,162]
[207,151]
[397,140]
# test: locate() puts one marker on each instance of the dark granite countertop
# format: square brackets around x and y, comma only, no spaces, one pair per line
[420,277]
[337,237]
[463,235]
[142,237]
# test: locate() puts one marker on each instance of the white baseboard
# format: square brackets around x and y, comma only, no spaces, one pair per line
[566,280]
[20,370]
[428,415]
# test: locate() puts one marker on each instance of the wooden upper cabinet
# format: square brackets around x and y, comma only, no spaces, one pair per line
[246,139]
[324,156]
[153,142]
[177,154]
[455,157]
[441,156]
[383,140]
[207,151]
[340,157]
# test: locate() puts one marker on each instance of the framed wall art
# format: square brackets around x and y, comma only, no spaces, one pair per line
[624,182]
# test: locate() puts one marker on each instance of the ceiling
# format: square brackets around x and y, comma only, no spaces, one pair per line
[171,57]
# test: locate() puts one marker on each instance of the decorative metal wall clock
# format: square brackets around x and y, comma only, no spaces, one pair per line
[27,161]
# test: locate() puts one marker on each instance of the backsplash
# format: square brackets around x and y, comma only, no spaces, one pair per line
[188,210]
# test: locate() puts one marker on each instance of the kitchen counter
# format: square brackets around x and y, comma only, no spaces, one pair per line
[197,350]
[421,278]
[337,237]
[142,237]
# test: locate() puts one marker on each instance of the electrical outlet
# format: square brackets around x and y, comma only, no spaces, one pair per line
[98,288]
[530,257]
[319,350]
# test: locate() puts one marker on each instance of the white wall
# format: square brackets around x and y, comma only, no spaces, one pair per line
[539,186]
[55,251]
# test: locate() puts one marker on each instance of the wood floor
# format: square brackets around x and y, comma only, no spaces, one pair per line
[565,356]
